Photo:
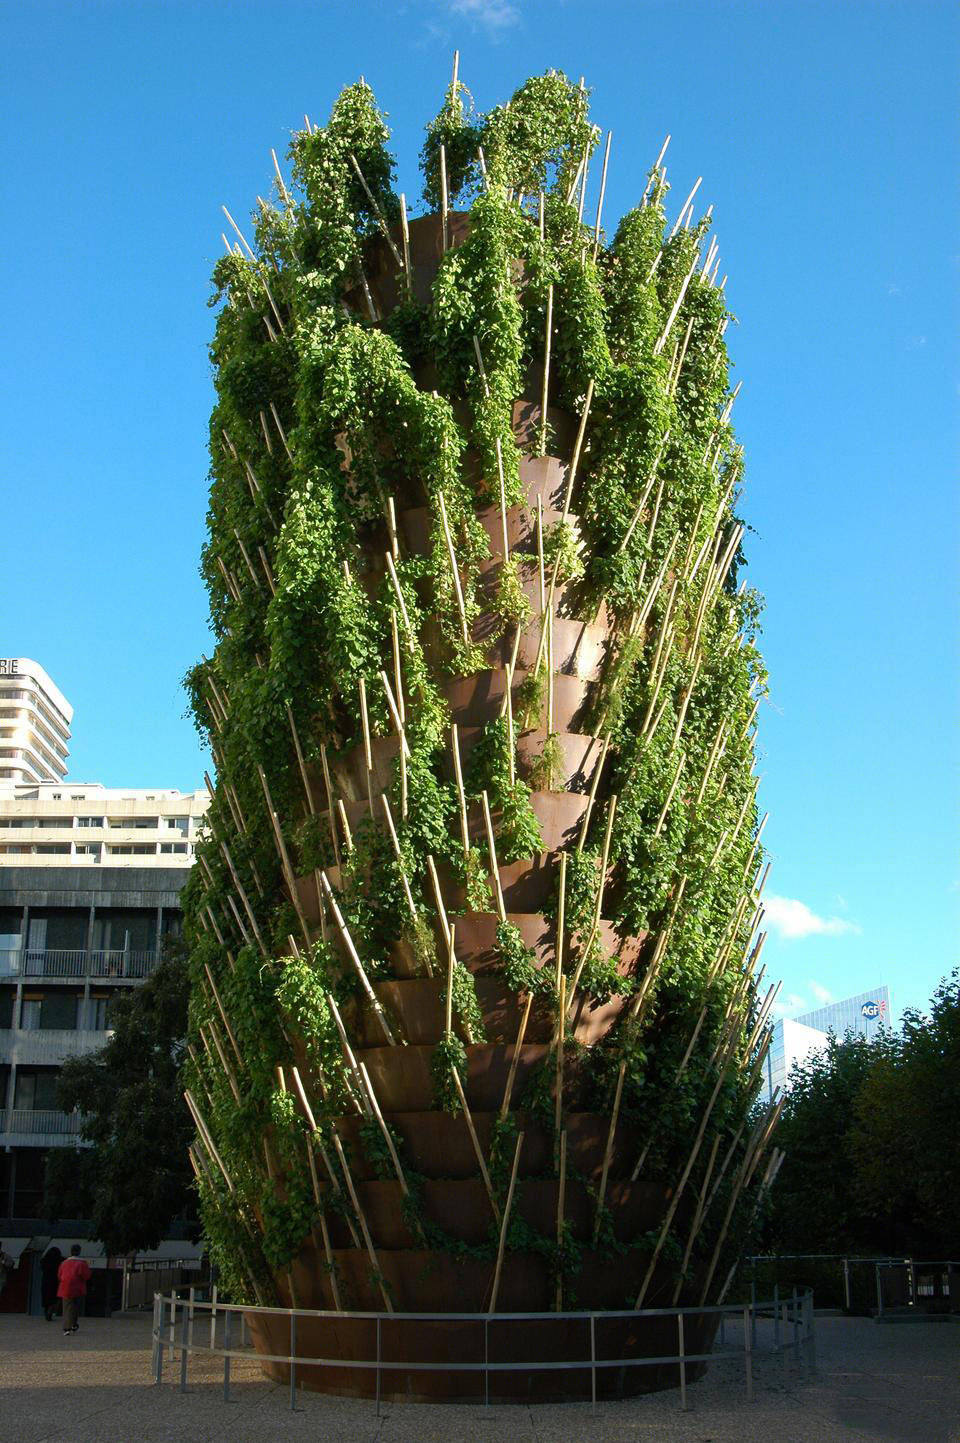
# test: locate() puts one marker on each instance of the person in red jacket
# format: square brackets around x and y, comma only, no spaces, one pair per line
[72,1278]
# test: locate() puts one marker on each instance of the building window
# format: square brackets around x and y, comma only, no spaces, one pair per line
[97,1014]
[89,821]
[180,847]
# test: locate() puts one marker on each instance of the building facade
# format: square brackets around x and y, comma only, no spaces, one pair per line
[90,882]
[35,720]
[796,1038]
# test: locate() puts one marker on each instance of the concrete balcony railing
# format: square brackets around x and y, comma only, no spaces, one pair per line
[23,1122]
[77,962]
[48,1047]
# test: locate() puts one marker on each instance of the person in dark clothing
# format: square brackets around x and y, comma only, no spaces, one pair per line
[73,1276]
[49,1266]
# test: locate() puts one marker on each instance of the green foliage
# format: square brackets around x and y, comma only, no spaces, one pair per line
[449,1055]
[327,412]
[855,1177]
[126,1092]
[519,963]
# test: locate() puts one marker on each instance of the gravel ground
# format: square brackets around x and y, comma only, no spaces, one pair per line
[896,1383]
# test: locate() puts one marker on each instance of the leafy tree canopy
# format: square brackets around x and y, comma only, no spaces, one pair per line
[871,1132]
[135,1178]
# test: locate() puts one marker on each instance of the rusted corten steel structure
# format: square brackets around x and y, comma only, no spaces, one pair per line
[476,1022]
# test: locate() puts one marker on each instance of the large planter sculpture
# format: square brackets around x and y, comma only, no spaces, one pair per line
[475,1014]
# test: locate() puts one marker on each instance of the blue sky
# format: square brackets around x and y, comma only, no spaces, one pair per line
[826,135]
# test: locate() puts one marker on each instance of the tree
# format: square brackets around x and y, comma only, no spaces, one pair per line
[906,1146]
[135,1178]
[815,1206]
[871,1134]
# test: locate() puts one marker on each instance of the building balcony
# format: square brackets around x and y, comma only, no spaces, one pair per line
[29,1127]
[48,1047]
[78,962]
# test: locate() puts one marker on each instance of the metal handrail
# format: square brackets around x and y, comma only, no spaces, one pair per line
[792,1314]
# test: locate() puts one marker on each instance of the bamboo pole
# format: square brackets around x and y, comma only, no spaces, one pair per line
[284,856]
[300,762]
[561,1042]
[561,909]
[698,1216]
[241,893]
[395,714]
[395,583]
[561,1208]
[444,198]
[608,1150]
[352,953]
[598,905]
[222,1010]
[367,745]
[511,1075]
[458,590]
[504,1222]
[461,794]
[345,826]
[398,855]
[377,211]
[387,1136]
[546,372]
[357,1093]
[266,571]
[494,868]
[438,899]
[475,1141]
[591,797]
[662,340]
[224,1062]
[683,209]
[368,1241]
[603,190]
[646,490]
[678,1193]
[207,1138]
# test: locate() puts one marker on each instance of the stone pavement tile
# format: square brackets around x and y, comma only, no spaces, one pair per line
[467,1423]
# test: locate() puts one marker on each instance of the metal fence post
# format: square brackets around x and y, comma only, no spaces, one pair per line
[683,1364]
[213,1316]
[812,1347]
[173,1313]
[191,1296]
[378,1367]
[183,1348]
[158,1337]
[748,1316]
[486,1362]
[227,1317]
[913,1284]
[846,1284]
[593,1363]
[293,1361]
[753,1309]
[879,1293]
[796,1329]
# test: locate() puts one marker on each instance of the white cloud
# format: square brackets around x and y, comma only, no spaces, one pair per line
[821,993]
[786,1006]
[791,918]
[493,15]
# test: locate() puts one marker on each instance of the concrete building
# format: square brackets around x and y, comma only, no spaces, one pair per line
[35,722]
[90,881]
[794,1039]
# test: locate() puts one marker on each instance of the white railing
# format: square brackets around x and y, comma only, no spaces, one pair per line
[78,962]
[41,1122]
[48,1046]
[176,1321]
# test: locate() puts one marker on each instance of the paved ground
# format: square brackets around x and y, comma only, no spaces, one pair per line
[885,1384]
